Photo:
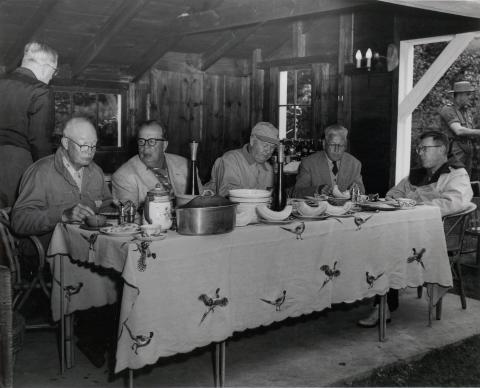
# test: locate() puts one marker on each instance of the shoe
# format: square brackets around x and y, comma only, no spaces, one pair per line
[94,354]
[372,319]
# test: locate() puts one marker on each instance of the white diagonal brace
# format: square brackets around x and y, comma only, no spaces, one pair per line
[433,74]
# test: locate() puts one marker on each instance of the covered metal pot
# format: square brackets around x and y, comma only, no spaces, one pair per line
[206,215]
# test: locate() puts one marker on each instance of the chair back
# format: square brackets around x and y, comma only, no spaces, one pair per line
[454,226]
[9,255]
[6,328]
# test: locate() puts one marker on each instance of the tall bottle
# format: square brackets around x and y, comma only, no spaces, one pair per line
[192,177]
[279,198]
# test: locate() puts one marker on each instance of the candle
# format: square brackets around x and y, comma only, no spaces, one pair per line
[368,55]
[358,57]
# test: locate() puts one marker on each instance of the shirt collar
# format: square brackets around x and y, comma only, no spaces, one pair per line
[247,153]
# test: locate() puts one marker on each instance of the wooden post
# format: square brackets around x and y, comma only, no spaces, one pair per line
[320,97]
[256,89]
[345,54]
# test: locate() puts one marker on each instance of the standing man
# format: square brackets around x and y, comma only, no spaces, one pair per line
[319,172]
[26,116]
[247,167]
[457,124]
[151,166]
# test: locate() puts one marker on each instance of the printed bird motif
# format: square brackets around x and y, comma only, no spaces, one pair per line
[371,279]
[212,303]
[72,290]
[144,248]
[359,221]
[277,302]
[417,256]
[298,230]
[139,341]
[330,272]
[92,239]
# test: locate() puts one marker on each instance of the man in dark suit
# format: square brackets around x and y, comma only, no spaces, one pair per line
[321,171]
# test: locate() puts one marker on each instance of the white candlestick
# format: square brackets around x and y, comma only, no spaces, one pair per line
[368,55]
[358,57]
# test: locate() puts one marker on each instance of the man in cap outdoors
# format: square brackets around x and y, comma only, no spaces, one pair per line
[247,167]
[321,171]
[457,124]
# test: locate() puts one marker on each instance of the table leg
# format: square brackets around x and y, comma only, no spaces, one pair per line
[62,321]
[130,378]
[382,318]
[69,348]
[430,303]
[220,364]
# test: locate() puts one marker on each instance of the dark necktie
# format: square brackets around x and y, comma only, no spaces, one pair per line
[335,168]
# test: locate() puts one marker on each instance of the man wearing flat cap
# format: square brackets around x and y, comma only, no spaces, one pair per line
[457,124]
[247,167]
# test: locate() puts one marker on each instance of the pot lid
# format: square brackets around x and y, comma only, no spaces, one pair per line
[207,201]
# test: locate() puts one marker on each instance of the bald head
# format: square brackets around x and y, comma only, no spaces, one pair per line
[41,59]
[79,141]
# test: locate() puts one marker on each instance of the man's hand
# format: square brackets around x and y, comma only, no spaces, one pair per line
[324,189]
[77,213]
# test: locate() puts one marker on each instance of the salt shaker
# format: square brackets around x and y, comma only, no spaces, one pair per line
[355,193]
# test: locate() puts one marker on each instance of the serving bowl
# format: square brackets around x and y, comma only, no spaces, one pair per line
[151,229]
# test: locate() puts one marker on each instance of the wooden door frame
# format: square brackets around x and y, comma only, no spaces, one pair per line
[410,97]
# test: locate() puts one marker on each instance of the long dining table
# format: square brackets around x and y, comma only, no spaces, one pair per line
[184,292]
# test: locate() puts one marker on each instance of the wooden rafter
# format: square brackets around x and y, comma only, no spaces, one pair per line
[230,40]
[14,54]
[240,16]
[124,13]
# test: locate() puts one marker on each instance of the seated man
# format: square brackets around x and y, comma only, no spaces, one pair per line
[319,172]
[439,182]
[151,166]
[247,167]
[64,187]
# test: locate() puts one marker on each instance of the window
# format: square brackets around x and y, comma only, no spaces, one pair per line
[295,103]
[103,109]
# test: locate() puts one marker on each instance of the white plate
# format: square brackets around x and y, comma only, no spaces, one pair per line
[249,193]
[120,230]
[156,237]
[250,200]
[320,217]
[289,220]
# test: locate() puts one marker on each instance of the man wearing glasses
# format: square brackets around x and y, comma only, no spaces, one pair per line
[65,187]
[247,167]
[440,182]
[26,116]
[321,171]
[150,167]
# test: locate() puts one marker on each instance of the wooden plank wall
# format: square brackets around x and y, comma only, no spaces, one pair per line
[212,109]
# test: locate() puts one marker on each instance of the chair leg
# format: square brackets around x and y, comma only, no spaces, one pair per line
[461,289]
[419,292]
[438,309]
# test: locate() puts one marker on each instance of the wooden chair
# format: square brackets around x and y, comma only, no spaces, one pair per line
[22,285]
[472,232]
[12,327]
[454,226]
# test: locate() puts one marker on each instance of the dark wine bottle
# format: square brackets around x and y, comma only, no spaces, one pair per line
[192,177]
[279,199]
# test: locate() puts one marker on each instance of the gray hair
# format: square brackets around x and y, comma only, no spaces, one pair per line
[71,125]
[38,52]
[336,130]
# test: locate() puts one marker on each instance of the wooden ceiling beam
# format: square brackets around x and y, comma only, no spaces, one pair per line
[229,41]
[239,16]
[244,15]
[152,55]
[14,54]
[119,19]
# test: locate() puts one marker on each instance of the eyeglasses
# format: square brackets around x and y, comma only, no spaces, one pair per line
[151,142]
[421,149]
[336,147]
[55,70]
[83,147]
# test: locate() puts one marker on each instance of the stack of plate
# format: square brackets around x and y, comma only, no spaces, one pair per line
[248,199]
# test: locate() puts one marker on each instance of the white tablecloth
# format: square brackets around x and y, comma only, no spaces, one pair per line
[187,291]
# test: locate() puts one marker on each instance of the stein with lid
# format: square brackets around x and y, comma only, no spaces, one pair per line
[158,208]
